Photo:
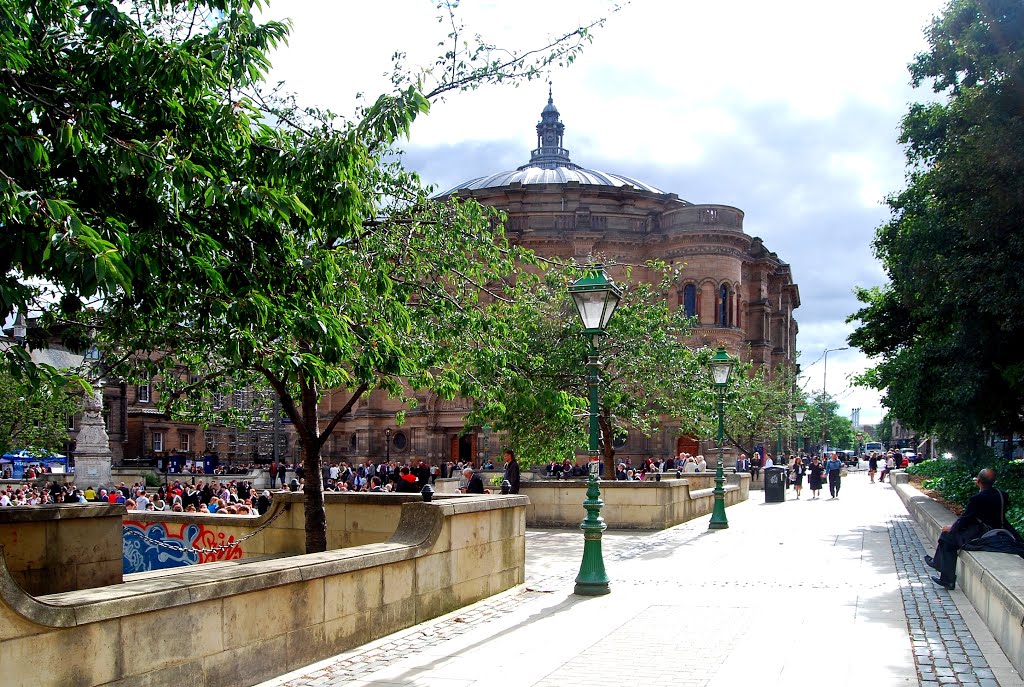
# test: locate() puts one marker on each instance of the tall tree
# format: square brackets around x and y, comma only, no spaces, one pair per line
[36,416]
[534,388]
[226,232]
[946,327]
[759,407]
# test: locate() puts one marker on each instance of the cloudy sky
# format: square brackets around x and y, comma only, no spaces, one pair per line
[787,110]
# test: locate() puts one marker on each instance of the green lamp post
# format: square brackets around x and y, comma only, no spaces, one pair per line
[596,299]
[721,365]
[800,413]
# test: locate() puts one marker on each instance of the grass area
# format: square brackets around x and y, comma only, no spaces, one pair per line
[952,483]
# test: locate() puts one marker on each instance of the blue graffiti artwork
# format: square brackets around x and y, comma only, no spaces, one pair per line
[141,553]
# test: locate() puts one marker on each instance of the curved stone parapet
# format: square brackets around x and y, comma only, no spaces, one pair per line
[244,621]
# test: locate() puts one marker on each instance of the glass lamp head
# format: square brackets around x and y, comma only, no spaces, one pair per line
[800,412]
[721,367]
[595,298]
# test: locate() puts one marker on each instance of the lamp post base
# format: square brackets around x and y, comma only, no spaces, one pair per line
[592,580]
[718,519]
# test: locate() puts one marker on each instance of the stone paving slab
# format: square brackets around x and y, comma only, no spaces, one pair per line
[800,593]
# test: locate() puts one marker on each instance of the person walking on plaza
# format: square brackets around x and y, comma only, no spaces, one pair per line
[834,468]
[511,470]
[986,509]
[815,472]
[872,466]
[797,475]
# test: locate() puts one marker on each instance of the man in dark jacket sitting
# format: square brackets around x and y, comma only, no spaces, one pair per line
[474,485]
[986,509]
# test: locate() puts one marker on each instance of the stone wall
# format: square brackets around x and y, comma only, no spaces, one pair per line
[241,622]
[61,547]
[630,505]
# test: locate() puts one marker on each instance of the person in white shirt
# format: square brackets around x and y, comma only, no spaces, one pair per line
[768,462]
[5,500]
[141,502]
[702,465]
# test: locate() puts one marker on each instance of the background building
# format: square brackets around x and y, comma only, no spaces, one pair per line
[742,293]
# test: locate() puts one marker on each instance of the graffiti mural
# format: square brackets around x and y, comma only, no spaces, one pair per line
[181,541]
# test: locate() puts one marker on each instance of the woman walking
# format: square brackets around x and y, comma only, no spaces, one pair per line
[814,476]
[797,475]
[873,466]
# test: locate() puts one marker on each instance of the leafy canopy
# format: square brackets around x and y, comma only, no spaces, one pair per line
[946,327]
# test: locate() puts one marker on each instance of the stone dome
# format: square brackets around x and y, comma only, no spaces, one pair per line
[550,164]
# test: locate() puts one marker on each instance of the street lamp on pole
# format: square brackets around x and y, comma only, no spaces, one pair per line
[721,365]
[800,413]
[387,444]
[595,298]
[824,399]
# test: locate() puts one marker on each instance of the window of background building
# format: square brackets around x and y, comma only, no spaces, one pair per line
[690,300]
[142,393]
[158,441]
[184,441]
[400,441]
[723,306]
[71,423]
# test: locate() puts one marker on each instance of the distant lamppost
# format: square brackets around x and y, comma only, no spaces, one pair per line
[824,399]
[387,444]
[721,365]
[596,299]
[800,413]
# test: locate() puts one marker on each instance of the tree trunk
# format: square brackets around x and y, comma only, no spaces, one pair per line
[316,516]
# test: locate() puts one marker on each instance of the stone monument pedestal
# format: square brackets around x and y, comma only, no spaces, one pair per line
[92,446]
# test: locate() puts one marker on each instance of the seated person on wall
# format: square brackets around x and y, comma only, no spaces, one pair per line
[474,485]
[407,482]
[985,510]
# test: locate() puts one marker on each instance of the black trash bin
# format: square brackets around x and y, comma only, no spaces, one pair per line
[774,485]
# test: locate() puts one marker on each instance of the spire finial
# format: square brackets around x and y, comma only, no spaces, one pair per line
[550,100]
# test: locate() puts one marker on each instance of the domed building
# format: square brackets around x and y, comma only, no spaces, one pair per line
[742,294]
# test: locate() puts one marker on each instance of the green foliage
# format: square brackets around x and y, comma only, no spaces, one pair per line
[841,432]
[534,386]
[946,326]
[757,405]
[222,236]
[36,416]
[954,480]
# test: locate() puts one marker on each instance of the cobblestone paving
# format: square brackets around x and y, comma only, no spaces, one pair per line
[944,649]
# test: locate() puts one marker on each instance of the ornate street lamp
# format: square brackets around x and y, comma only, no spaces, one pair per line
[800,413]
[824,399]
[721,365]
[387,444]
[596,299]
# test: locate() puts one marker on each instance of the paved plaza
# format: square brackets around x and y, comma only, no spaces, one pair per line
[806,592]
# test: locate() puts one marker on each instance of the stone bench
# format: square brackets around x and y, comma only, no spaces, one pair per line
[993,582]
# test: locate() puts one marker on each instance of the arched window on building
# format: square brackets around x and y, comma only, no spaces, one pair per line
[690,300]
[723,306]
